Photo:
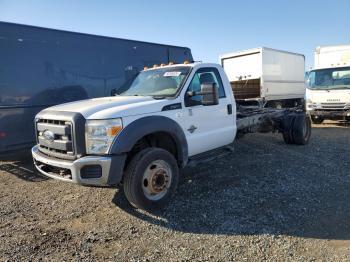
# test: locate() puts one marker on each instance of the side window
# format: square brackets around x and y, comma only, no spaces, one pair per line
[205,75]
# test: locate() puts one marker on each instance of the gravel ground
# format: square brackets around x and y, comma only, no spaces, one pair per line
[266,201]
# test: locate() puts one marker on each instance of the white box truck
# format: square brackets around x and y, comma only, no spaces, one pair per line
[275,78]
[328,89]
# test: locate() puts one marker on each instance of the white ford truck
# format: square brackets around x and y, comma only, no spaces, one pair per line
[169,117]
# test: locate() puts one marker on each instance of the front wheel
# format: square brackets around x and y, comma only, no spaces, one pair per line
[151,179]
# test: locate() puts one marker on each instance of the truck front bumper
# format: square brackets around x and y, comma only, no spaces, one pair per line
[88,170]
[330,113]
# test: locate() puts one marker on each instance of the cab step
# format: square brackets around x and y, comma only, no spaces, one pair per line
[210,155]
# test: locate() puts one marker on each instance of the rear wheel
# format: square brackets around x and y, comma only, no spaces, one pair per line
[301,130]
[287,138]
[151,179]
[288,135]
[317,119]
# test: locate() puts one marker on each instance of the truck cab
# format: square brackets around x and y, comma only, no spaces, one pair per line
[141,136]
[328,85]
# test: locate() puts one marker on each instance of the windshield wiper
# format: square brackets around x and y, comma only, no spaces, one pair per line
[327,88]
[341,87]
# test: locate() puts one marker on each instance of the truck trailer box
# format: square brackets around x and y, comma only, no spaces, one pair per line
[332,56]
[42,67]
[266,74]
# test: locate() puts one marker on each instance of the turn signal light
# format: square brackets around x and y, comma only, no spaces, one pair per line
[114,130]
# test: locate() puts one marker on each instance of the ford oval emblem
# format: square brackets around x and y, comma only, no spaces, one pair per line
[49,135]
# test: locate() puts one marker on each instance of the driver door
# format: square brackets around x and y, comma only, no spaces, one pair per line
[207,127]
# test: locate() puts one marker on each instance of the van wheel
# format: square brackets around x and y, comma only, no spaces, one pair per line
[151,179]
[317,119]
[301,130]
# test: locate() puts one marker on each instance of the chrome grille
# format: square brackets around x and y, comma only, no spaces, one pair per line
[333,105]
[61,142]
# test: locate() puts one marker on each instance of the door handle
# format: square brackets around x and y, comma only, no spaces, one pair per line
[229,109]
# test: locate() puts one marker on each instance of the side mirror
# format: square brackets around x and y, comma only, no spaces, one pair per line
[210,94]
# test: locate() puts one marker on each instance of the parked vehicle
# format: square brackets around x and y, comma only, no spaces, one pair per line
[328,92]
[276,78]
[42,67]
[169,117]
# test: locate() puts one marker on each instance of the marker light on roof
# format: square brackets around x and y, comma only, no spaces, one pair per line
[186,62]
[145,68]
[162,64]
[171,63]
[155,66]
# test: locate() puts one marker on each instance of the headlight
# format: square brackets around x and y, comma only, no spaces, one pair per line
[99,134]
[309,104]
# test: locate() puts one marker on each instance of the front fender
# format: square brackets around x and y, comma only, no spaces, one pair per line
[133,132]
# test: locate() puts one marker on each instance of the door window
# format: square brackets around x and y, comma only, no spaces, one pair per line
[204,75]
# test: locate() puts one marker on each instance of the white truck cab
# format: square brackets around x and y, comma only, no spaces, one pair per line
[328,84]
[168,117]
[89,141]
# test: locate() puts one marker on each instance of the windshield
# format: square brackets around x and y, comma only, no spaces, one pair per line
[330,78]
[158,82]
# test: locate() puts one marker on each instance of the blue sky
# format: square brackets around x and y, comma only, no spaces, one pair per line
[209,28]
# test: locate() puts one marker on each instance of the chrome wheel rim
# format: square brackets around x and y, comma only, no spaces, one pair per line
[156,180]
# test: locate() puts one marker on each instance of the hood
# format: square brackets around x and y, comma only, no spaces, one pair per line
[111,107]
[329,96]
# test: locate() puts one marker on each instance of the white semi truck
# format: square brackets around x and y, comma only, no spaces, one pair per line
[168,118]
[273,77]
[328,89]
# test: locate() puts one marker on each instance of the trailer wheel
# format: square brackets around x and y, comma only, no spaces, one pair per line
[317,119]
[301,130]
[151,179]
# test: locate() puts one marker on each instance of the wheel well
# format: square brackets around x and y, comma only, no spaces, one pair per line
[159,139]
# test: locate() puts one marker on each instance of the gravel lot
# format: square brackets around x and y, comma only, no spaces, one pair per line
[266,201]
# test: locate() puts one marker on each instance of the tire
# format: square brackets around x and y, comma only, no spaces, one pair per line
[287,138]
[317,120]
[151,179]
[301,130]
[287,135]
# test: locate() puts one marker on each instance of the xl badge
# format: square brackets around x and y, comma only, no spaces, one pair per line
[49,135]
